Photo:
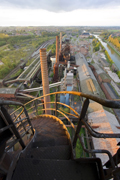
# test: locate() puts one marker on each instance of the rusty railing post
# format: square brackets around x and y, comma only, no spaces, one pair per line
[56,105]
[82,116]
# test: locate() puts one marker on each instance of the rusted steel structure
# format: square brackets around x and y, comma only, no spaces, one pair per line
[50,149]
[45,80]
[60,41]
[57,49]
[64,55]
[56,65]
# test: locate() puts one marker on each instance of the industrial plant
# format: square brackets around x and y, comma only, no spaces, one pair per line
[58,121]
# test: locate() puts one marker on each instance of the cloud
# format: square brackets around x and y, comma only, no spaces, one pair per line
[37,17]
[60,5]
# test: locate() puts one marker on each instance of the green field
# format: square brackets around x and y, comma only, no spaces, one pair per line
[17,48]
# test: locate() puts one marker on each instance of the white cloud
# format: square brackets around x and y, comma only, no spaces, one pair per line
[59,5]
[38,17]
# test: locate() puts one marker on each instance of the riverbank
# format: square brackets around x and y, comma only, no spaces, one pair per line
[112,47]
[113,55]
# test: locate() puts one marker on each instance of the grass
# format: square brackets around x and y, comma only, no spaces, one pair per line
[25,47]
[113,48]
[70,131]
[79,150]
[76,98]
[3,47]
[39,110]
[30,33]
[17,73]
[115,30]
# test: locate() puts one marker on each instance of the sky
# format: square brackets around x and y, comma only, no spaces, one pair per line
[59,13]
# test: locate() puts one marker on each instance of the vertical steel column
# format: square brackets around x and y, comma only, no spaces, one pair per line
[57,50]
[56,104]
[60,41]
[56,69]
[82,116]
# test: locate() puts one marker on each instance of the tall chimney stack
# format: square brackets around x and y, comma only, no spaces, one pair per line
[55,78]
[45,80]
[60,41]
[57,50]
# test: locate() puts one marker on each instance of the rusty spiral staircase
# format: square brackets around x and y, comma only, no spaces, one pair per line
[49,152]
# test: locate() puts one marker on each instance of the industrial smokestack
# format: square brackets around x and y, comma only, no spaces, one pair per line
[60,41]
[55,78]
[57,49]
[45,80]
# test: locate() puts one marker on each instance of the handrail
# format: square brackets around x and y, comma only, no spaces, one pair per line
[69,113]
[6,102]
[19,115]
[104,102]
[69,108]
[67,119]
[77,115]
[107,103]
[97,151]
[14,125]
[99,135]
[81,117]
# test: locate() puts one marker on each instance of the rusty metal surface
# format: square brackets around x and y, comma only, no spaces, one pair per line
[104,102]
[48,127]
[116,159]
[97,134]
[97,151]
[82,116]
[56,170]
[5,102]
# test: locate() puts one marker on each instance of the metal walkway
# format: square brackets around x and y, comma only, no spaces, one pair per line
[50,156]
[49,153]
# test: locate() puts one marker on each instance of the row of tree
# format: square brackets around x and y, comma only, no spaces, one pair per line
[109,58]
[115,41]
[96,45]
[46,33]
[52,48]
[11,40]
[95,42]
[105,35]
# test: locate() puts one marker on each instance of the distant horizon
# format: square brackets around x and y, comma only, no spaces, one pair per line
[57,26]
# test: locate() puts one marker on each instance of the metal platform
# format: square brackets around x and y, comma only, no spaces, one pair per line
[56,170]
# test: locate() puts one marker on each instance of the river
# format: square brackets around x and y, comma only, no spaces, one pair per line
[114,56]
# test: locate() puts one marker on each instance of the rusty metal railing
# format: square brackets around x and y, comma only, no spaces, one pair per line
[36,107]
[36,110]
[16,124]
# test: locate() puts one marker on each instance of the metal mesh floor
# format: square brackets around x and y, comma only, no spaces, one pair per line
[54,152]
[28,169]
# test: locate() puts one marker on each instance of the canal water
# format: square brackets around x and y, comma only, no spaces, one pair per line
[114,56]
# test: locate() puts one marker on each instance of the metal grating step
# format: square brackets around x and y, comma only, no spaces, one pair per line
[57,170]
[52,133]
[54,152]
[49,126]
[45,141]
